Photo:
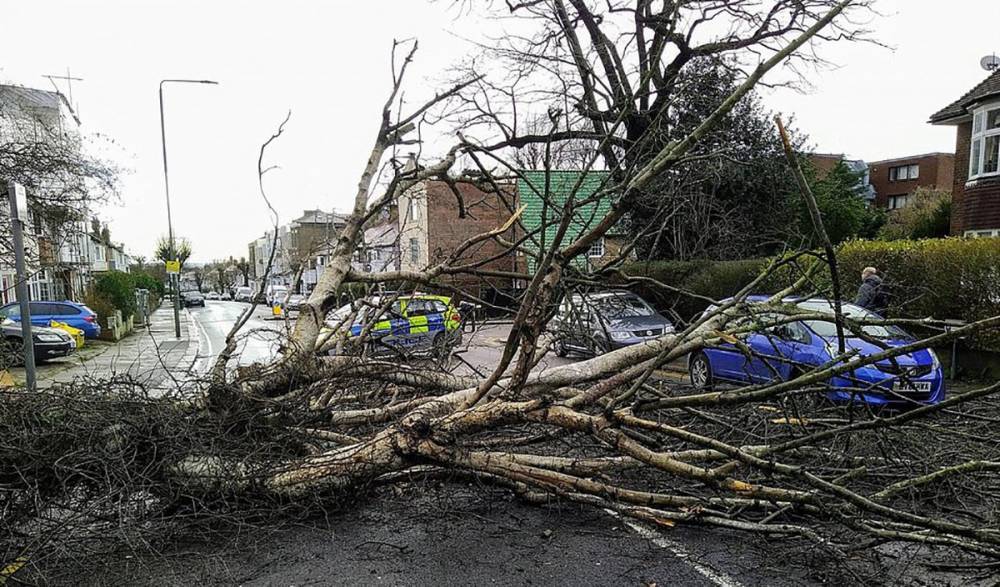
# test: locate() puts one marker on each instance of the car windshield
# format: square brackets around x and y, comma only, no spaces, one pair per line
[829,329]
[619,306]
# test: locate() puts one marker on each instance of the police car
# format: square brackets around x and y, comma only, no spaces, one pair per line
[417,323]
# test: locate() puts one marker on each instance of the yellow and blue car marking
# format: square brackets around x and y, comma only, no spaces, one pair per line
[409,331]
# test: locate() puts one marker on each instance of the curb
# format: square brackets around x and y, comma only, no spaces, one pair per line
[193,352]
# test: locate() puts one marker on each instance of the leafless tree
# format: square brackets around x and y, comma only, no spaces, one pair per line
[767,458]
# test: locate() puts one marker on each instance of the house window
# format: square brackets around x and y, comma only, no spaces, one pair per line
[597,248]
[414,209]
[414,250]
[984,151]
[897,202]
[904,172]
[983,233]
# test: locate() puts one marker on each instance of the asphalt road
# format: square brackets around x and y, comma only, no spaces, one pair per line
[258,340]
[460,533]
[464,534]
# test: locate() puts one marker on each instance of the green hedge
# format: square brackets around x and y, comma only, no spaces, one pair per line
[944,278]
[713,279]
[143,280]
[950,278]
[115,290]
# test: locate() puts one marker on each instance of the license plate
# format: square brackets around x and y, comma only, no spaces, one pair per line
[912,386]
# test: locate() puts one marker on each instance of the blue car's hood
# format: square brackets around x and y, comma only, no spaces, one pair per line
[865,348]
[638,323]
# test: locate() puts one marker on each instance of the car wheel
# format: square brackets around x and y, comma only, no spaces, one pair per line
[700,372]
[11,353]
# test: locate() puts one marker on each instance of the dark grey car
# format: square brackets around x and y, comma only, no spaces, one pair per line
[600,322]
[49,343]
[192,298]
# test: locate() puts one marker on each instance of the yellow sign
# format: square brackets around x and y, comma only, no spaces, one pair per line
[173,266]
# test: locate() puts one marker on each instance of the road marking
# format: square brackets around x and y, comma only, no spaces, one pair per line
[202,360]
[715,577]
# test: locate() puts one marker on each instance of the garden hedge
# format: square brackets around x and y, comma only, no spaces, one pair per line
[115,290]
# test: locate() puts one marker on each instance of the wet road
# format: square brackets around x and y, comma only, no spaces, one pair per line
[258,341]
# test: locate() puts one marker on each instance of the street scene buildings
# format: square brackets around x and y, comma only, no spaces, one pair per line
[535,292]
[65,246]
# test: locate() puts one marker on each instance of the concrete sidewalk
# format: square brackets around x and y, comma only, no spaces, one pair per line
[150,355]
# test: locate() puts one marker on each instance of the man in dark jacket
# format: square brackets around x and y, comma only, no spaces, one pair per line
[872,295]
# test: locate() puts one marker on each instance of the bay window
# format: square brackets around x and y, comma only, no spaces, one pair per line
[984,152]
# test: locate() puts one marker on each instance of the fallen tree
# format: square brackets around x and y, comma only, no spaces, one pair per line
[310,430]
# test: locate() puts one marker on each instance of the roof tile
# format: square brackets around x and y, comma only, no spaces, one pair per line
[988,87]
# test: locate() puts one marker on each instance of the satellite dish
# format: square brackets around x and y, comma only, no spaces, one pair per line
[990,62]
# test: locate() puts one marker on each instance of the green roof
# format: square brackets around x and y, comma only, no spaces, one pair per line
[533,193]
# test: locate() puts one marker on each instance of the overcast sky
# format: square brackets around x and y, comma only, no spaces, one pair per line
[327,62]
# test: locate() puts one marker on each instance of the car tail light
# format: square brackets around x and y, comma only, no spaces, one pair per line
[91,318]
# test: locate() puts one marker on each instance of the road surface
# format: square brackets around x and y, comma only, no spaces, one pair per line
[462,533]
[258,341]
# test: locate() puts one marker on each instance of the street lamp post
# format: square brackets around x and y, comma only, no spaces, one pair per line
[166,183]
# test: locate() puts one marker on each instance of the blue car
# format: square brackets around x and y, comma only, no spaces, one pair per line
[42,313]
[781,351]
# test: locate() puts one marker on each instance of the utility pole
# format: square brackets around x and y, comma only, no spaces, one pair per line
[166,183]
[17,199]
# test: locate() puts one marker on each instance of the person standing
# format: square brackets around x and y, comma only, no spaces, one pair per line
[872,294]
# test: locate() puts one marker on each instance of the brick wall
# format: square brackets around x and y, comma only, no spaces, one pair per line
[936,171]
[446,231]
[975,206]
[963,133]
[824,163]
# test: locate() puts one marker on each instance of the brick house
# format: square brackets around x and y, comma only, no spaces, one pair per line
[430,229]
[894,180]
[976,184]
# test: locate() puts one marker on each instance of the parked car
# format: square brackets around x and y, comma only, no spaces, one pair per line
[415,323]
[192,298]
[243,294]
[49,343]
[224,296]
[213,295]
[596,323]
[781,351]
[42,313]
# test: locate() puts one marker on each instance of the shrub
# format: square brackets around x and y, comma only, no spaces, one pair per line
[99,304]
[143,280]
[117,290]
[927,214]
[950,278]
[713,279]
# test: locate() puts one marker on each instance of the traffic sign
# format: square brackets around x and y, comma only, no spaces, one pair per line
[173,266]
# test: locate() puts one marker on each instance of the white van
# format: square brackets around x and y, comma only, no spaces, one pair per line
[243,294]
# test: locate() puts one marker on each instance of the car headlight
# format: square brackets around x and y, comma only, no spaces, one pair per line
[620,334]
[935,362]
[49,338]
